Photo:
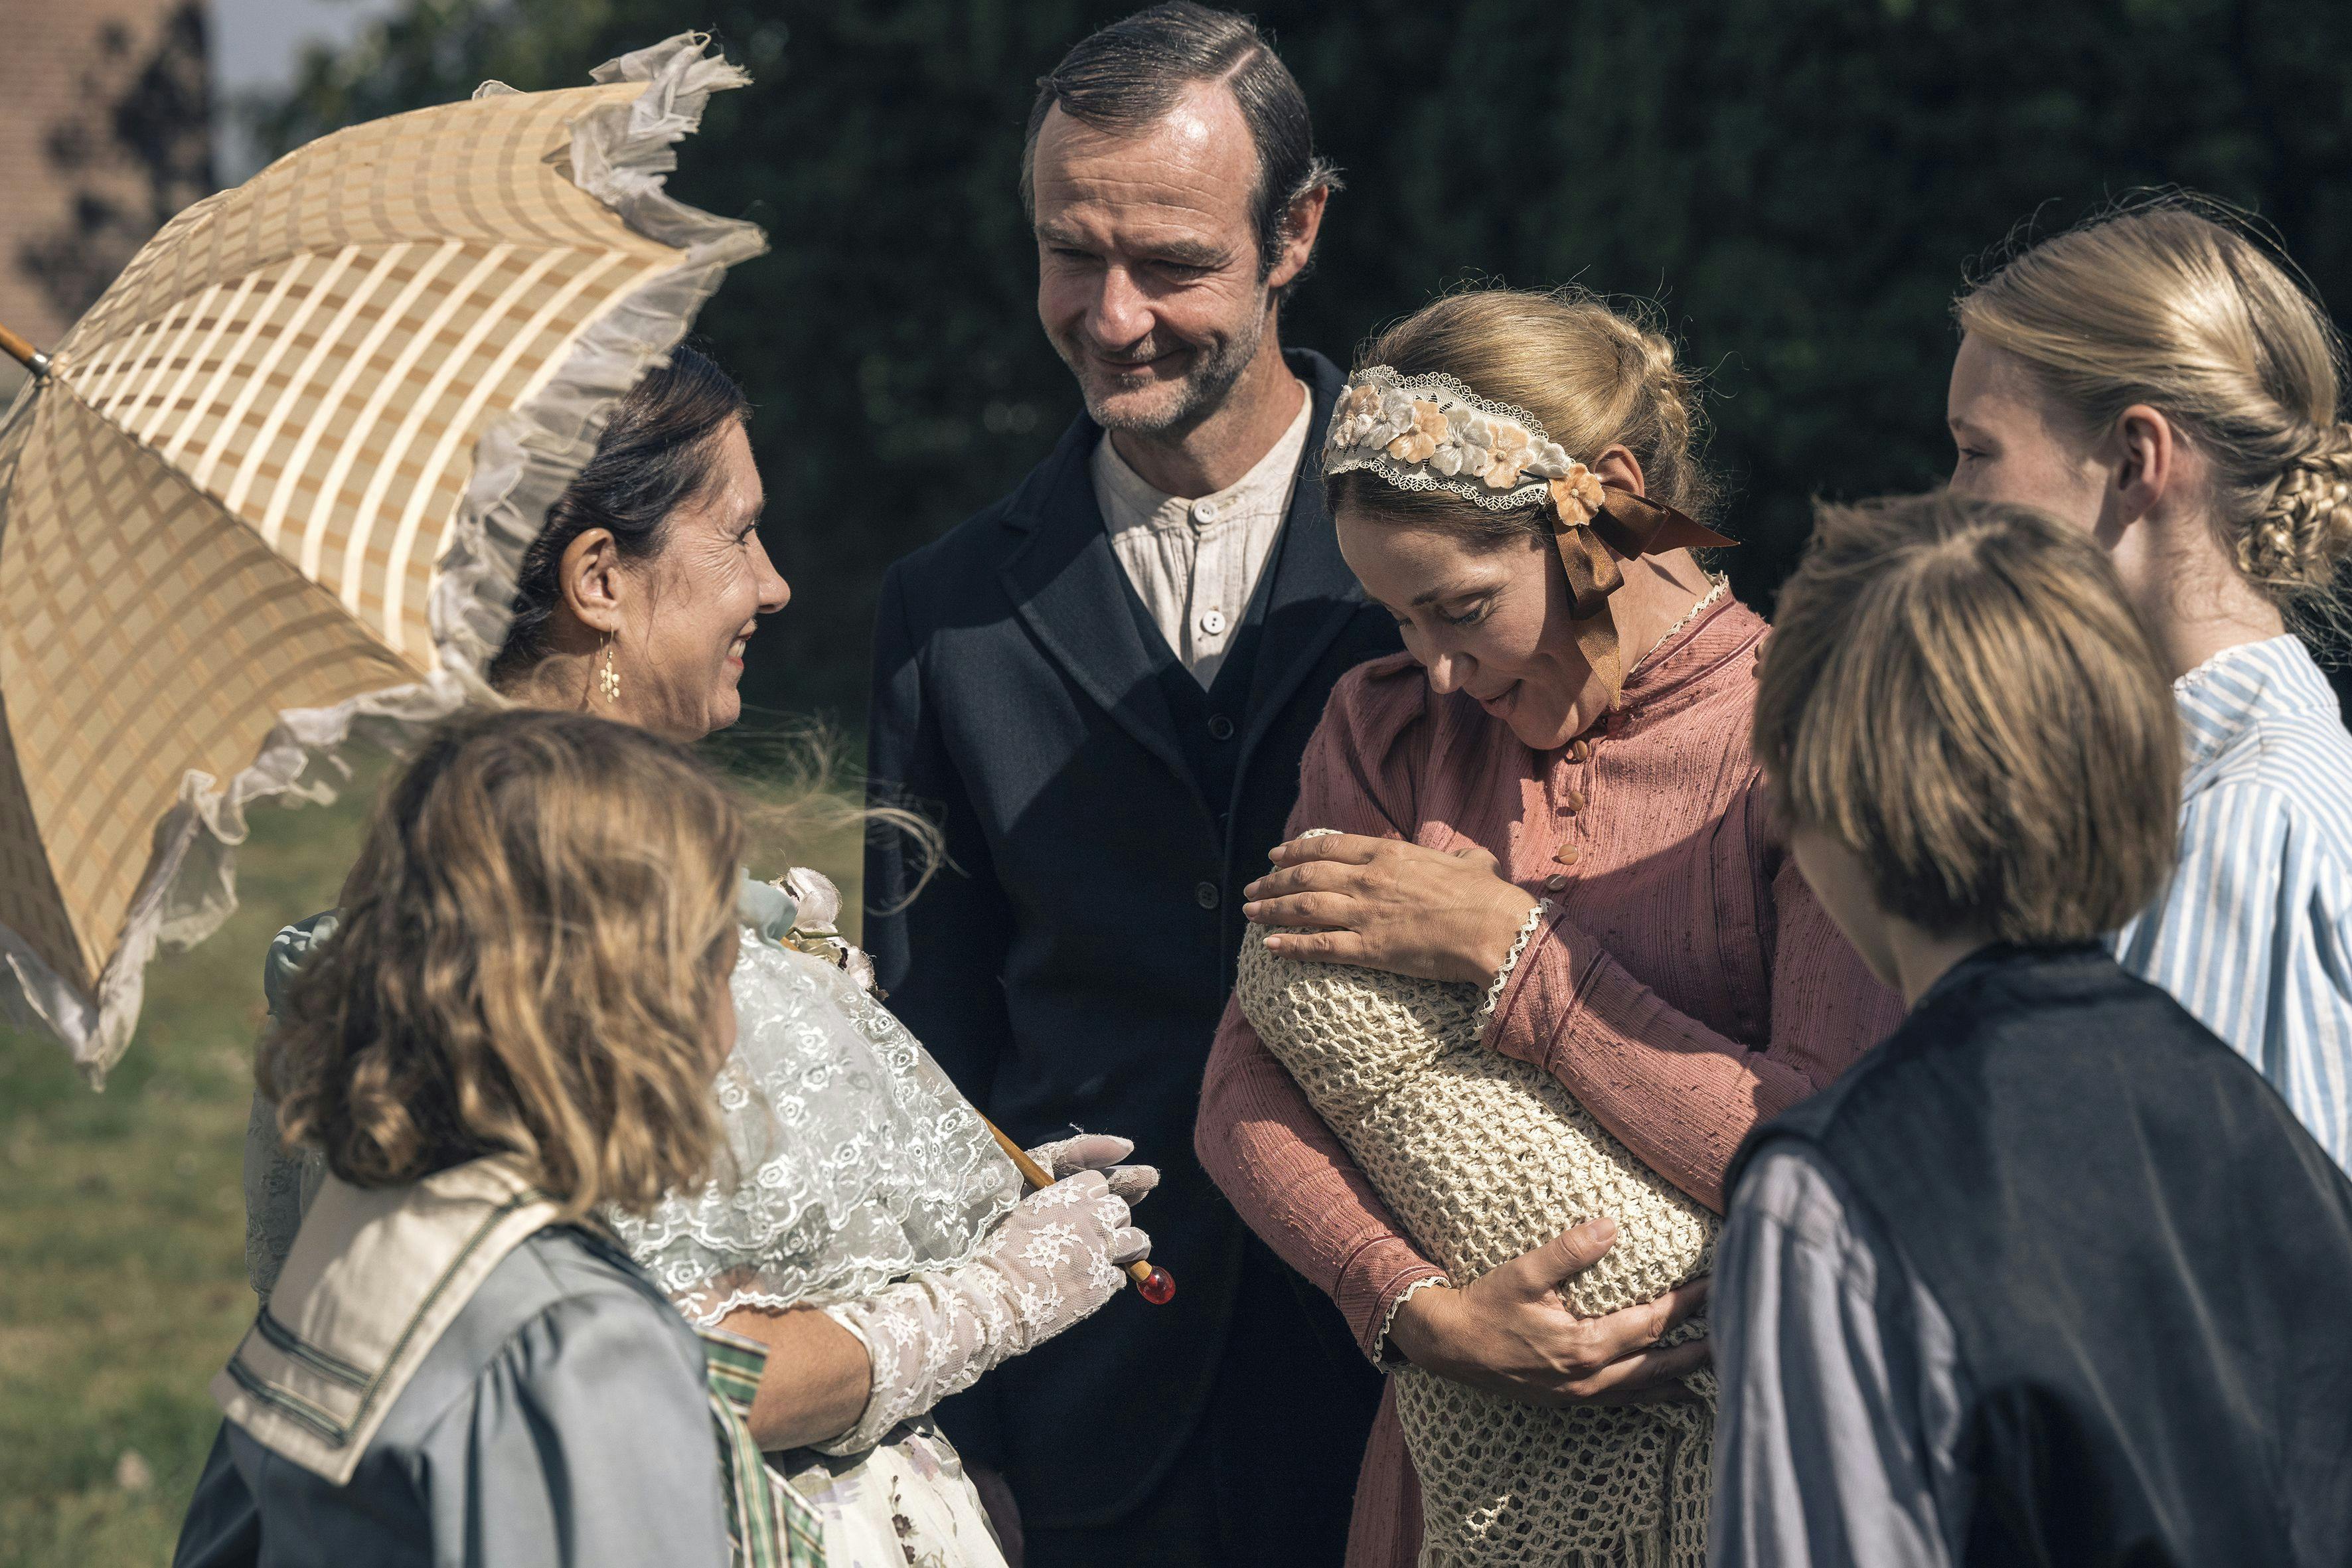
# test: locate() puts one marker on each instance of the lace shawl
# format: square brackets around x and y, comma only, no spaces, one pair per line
[857,1160]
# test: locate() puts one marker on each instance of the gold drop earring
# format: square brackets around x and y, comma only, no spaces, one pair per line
[608,679]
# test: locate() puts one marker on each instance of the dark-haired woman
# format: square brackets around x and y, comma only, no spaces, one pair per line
[867,1182]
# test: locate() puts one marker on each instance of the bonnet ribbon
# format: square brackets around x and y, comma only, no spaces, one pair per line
[1590,520]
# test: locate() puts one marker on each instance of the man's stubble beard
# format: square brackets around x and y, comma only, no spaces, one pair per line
[1201,393]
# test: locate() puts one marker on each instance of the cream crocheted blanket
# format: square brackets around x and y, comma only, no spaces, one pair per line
[1483,1158]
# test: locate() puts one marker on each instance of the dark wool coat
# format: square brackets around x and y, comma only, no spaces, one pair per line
[1070,969]
[2144,1257]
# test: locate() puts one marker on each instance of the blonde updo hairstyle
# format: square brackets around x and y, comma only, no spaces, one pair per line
[1594,375]
[2170,303]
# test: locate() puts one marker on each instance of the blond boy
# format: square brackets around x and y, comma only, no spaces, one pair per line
[2051,1274]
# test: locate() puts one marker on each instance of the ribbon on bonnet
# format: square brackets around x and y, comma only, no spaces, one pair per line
[1431,432]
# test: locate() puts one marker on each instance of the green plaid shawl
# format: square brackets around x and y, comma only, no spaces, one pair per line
[767,1523]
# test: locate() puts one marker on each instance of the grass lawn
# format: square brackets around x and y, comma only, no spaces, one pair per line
[122,1229]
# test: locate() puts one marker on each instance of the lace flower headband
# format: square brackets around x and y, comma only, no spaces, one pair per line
[1432,433]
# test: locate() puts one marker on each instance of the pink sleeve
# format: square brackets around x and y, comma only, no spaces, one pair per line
[1257,1136]
[1680,1096]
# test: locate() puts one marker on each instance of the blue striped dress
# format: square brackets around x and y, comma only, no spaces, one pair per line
[2254,933]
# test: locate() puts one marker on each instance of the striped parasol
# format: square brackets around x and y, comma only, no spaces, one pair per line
[271,491]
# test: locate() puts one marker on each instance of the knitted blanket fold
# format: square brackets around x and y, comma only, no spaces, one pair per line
[1483,1158]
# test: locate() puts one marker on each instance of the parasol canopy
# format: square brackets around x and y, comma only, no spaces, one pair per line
[272,490]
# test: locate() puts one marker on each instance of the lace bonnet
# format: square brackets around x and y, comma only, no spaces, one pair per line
[1432,433]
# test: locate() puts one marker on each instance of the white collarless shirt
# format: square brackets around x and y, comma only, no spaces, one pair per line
[1195,561]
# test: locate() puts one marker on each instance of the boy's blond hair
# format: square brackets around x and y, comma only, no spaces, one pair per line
[1956,692]
[525,962]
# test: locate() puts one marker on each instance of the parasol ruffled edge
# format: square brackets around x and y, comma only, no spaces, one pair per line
[620,153]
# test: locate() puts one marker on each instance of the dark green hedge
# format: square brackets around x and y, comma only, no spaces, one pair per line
[1801,183]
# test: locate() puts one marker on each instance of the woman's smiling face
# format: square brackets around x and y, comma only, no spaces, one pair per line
[703,595]
[1490,618]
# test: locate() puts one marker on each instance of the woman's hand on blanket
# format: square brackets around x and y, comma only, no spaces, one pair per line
[1381,904]
[1099,1152]
[1509,1332]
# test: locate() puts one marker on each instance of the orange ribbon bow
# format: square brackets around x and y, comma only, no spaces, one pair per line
[1591,521]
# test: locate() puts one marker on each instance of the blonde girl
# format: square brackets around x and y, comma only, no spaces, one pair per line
[2161,381]
[514,1029]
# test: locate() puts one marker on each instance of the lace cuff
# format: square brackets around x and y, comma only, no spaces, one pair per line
[1053,1262]
[1527,929]
[1388,1352]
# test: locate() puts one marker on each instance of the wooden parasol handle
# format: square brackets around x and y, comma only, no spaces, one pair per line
[23,353]
[1155,1284]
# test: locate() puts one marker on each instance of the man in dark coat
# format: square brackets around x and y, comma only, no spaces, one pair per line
[1102,686]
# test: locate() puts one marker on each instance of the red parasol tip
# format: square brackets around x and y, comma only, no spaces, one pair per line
[1159,1287]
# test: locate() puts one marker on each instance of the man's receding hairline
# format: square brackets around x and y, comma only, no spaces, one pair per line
[1134,73]
[1117,127]
[1203,255]
[1121,127]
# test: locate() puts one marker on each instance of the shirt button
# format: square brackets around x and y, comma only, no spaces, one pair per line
[1571,803]
[1579,750]
[1205,510]
[1567,855]
[1212,623]
[1555,882]
[1205,895]
[1219,727]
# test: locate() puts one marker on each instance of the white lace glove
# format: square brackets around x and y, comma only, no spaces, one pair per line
[1099,1152]
[1057,1258]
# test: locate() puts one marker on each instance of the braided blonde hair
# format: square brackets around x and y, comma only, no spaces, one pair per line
[2170,302]
[1593,374]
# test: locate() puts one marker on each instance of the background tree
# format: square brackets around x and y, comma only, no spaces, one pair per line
[1801,186]
[134,149]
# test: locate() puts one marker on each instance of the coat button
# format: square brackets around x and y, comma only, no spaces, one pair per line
[1555,882]
[1212,623]
[1567,855]
[1579,750]
[1572,802]
[1219,727]
[1205,895]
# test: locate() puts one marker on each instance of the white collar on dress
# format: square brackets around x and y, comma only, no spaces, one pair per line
[376,1277]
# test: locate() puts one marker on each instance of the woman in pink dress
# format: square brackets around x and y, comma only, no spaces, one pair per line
[1550,793]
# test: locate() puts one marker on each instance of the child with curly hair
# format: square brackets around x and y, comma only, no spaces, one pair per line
[513,1030]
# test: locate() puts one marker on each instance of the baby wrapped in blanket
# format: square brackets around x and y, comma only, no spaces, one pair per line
[1484,1158]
